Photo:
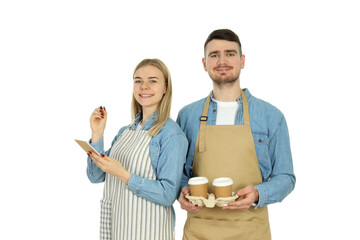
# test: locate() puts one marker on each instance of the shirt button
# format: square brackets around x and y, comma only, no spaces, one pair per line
[214,110]
[259,141]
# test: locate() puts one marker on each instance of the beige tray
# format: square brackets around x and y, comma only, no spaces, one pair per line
[210,202]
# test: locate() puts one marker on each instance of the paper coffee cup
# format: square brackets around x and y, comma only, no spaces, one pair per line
[198,186]
[223,187]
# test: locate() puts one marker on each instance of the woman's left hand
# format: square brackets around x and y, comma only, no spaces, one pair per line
[110,166]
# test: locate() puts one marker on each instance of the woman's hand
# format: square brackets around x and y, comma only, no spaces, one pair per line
[110,166]
[97,123]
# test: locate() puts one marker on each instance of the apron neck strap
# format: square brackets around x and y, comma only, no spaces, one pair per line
[245,108]
[246,114]
[203,117]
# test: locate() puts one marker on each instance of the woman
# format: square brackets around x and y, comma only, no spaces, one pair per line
[142,170]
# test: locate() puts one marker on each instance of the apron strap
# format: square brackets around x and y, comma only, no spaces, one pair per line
[245,109]
[203,120]
[204,117]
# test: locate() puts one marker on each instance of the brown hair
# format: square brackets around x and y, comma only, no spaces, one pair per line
[224,34]
[164,105]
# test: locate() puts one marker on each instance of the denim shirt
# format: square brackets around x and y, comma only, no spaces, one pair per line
[271,138]
[167,154]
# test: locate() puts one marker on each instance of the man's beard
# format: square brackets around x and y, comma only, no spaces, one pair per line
[224,81]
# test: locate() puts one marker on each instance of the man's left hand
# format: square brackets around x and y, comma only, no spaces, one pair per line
[247,196]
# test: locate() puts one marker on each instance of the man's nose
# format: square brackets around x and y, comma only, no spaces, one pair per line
[221,60]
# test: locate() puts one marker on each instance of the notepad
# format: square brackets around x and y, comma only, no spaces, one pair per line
[86,146]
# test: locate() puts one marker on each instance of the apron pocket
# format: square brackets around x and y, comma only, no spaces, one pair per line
[105,220]
[197,228]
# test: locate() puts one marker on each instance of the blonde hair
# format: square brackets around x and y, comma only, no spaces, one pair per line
[165,103]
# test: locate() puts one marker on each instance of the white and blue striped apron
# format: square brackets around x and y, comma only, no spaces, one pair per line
[125,216]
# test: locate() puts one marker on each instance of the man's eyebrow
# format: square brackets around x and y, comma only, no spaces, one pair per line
[212,52]
[231,50]
[227,51]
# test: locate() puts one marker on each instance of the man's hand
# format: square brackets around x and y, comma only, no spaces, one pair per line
[247,196]
[184,202]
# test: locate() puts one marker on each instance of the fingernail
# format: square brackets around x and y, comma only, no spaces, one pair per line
[90,152]
[104,108]
[102,155]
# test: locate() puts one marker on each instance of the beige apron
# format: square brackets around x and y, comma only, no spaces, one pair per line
[227,151]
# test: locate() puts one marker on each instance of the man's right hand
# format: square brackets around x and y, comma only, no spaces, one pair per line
[184,202]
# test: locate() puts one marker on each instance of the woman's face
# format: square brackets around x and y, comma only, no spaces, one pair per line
[149,87]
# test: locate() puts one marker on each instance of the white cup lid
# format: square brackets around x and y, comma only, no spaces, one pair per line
[222,182]
[198,180]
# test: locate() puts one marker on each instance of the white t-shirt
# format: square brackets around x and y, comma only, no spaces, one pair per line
[226,112]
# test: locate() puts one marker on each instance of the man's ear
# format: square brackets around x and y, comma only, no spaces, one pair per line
[204,64]
[242,59]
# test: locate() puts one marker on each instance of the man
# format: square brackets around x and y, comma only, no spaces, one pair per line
[234,134]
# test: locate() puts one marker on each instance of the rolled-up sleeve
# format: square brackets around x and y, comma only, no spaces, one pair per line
[282,179]
[94,173]
[187,170]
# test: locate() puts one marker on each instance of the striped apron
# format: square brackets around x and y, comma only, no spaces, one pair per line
[124,215]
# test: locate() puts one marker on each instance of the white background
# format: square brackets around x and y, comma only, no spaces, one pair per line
[61,59]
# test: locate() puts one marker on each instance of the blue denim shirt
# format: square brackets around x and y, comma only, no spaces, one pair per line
[167,154]
[271,138]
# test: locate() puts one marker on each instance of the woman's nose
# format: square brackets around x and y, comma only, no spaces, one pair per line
[144,85]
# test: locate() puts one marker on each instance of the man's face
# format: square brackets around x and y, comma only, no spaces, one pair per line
[222,61]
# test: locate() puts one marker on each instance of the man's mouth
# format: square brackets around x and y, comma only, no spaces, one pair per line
[223,69]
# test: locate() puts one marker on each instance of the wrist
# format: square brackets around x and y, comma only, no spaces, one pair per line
[256,195]
[124,176]
[96,137]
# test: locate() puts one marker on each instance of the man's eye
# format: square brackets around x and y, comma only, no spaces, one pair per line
[213,55]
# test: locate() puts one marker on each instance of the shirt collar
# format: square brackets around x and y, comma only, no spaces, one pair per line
[239,99]
[148,124]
